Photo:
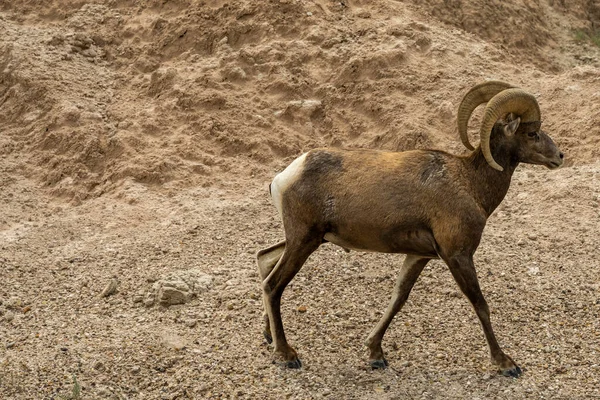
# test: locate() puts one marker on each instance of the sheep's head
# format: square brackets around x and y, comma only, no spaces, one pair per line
[521,125]
[533,146]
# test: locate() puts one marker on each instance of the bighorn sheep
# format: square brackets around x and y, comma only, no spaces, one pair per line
[424,203]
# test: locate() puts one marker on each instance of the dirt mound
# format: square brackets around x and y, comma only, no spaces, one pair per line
[531,31]
[196,93]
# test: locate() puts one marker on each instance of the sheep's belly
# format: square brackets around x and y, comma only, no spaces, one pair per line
[420,243]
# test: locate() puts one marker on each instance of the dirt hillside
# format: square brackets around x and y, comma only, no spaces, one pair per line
[137,141]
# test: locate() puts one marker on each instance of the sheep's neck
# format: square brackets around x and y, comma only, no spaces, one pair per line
[490,186]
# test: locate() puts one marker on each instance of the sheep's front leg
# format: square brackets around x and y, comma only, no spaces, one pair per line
[463,270]
[410,271]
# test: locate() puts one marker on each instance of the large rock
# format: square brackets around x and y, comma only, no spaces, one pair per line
[178,287]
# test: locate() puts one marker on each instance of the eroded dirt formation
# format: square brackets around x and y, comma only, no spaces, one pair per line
[137,141]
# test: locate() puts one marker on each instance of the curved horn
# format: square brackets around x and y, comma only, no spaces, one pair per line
[479,94]
[513,100]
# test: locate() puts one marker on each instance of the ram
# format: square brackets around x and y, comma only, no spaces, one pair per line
[427,204]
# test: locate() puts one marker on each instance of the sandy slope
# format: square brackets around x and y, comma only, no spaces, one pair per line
[137,138]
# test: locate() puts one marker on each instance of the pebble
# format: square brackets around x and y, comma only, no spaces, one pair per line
[302,309]
[9,316]
[191,323]
[110,289]
[135,369]
[14,302]
[125,125]
[89,53]
[174,342]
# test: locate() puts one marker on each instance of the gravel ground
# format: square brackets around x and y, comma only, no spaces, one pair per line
[539,274]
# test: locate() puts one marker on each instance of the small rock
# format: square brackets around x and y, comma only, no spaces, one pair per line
[302,309]
[136,369]
[446,109]
[236,73]
[14,302]
[173,341]
[99,366]
[110,289]
[560,370]
[9,316]
[170,296]
[125,125]
[191,322]
[149,301]
[89,53]
[10,345]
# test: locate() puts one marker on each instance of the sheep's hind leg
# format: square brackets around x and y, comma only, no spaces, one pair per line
[292,259]
[266,260]
[410,271]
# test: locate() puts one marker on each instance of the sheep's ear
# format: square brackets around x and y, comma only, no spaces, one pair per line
[512,126]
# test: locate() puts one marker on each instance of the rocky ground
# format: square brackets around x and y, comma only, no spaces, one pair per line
[137,141]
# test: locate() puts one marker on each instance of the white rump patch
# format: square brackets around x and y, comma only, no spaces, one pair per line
[284,180]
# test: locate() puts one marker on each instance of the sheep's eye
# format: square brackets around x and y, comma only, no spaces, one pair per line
[532,135]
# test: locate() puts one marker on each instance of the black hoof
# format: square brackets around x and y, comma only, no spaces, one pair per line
[513,372]
[379,364]
[268,337]
[294,364]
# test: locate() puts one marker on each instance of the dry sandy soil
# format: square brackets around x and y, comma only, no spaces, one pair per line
[137,141]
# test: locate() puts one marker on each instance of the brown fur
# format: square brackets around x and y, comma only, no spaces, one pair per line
[423,203]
